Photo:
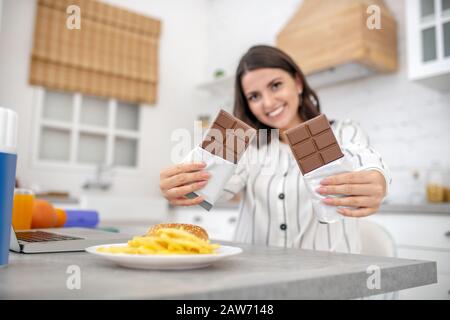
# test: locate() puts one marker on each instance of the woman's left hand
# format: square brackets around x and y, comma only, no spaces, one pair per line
[364,190]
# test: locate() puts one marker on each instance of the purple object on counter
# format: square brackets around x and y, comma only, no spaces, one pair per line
[81,218]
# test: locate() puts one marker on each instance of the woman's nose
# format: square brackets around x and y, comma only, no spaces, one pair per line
[268,101]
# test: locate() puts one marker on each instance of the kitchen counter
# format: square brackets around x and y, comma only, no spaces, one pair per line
[257,273]
[443,208]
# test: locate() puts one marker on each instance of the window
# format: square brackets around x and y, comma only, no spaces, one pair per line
[81,130]
[429,44]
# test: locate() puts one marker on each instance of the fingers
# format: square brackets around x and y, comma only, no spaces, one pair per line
[355,201]
[364,190]
[359,177]
[178,192]
[362,212]
[179,180]
[181,168]
[352,189]
[183,179]
[364,206]
[186,202]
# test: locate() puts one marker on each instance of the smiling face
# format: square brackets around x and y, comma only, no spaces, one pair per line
[272,95]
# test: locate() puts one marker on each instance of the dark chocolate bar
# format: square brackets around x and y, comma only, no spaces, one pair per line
[228,137]
[313,144]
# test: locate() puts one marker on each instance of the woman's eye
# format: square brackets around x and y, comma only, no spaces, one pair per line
[252,97]
[276,85]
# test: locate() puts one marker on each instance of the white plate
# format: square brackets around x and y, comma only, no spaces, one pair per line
[164,262]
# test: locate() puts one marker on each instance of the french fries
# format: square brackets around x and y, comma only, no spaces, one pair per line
[167,241]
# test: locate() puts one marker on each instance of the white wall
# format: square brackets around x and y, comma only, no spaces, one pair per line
[407,122]
[235,25]
[182,66]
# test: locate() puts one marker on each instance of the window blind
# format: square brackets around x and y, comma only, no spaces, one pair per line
[113,54]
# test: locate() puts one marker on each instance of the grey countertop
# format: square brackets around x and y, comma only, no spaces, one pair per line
[391,207]
[425,208]
[257,273]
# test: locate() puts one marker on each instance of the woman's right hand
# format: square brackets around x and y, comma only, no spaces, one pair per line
[178,180]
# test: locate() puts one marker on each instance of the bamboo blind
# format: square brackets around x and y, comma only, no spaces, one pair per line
[113,54]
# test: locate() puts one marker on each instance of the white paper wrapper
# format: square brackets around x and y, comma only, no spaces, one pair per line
[326,213]
[220,169]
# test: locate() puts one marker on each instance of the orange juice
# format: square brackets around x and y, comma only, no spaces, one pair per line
[22,209]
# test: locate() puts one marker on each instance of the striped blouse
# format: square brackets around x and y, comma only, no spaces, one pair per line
[276,210]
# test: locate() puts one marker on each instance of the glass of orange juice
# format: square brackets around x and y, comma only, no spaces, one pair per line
[22,209]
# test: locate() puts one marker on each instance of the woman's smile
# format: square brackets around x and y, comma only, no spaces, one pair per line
[276,112]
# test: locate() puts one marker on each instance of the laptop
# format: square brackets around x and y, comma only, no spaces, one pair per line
[62,239]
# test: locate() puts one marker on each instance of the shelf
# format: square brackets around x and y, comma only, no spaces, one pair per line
[223,87]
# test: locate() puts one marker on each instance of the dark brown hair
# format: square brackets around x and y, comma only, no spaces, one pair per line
[262,56]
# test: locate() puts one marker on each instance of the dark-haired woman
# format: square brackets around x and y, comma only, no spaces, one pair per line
[271,92]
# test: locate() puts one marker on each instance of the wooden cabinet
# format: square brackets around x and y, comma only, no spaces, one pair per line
[424,237]
[428,42]
[342,43]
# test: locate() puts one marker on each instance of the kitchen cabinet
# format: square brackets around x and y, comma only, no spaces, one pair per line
[440,290]
[219,222]
[345,45]
[424,236]
[428,42]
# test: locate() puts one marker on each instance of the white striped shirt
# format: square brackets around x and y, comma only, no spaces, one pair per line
[276,210]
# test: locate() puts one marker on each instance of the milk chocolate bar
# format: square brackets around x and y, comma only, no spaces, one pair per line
[313,144]
[228,137]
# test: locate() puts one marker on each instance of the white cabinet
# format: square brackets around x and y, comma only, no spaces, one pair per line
[440,290]
[428,41]
[219,223]
[424,237]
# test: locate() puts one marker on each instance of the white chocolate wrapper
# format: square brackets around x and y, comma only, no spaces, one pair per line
[326,213]
[221,171]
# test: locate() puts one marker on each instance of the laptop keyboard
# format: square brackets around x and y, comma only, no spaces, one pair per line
[42,236]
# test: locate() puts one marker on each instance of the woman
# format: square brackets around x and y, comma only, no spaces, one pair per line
[271,92]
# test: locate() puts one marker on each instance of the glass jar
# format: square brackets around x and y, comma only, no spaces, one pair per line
[447,186]
[436,184]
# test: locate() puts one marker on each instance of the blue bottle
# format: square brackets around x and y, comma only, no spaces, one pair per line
[8,160]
